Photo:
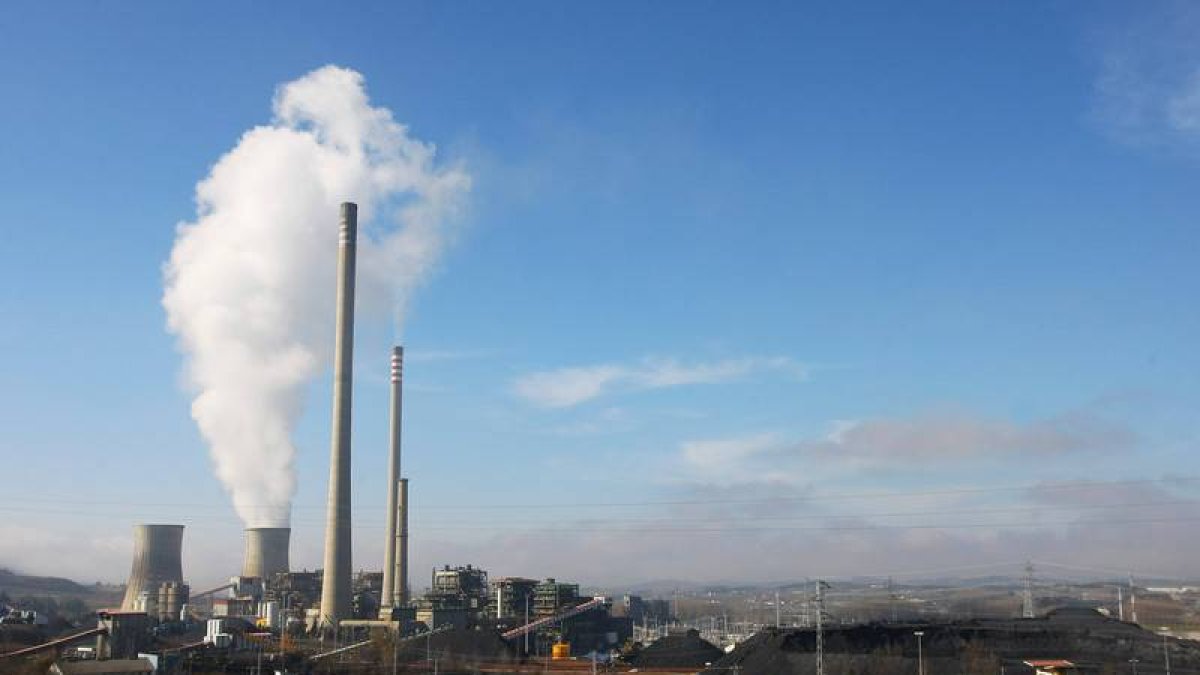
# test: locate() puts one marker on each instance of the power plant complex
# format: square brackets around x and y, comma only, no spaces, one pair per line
[288,621]
[157,568]
[269,598]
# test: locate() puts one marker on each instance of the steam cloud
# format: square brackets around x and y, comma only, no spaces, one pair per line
[250,283]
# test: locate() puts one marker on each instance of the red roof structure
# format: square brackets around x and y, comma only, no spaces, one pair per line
[1050,663]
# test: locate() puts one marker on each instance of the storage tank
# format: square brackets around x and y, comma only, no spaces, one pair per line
[172,597]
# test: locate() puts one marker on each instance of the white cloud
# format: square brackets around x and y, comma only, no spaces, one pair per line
[958,436]
[566,387]
[777,544]
[1183,108]
[248,286]
[437,355]
[1148,86]
[717,455]
[42,551]
[890,442]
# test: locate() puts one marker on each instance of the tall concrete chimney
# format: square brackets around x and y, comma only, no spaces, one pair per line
[157,557]
[335,589]
[402,549]
[391,593]
[266,551]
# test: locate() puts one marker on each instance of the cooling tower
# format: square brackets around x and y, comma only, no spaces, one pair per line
[390,595]
[335,588]
[266,551]
[157,558]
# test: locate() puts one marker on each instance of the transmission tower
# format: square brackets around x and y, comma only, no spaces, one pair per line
[820,617]
[1027,595]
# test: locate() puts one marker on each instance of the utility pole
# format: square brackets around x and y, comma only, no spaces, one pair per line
[891,589]
[920,652]
[395,649]
[527,623]
[1027,596]
[777,609]
[1166,651]
[820,602]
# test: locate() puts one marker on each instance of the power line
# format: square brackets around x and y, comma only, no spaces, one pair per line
[1067,485]
[1023,509]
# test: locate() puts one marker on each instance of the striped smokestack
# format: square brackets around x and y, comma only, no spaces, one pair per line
[392,592]
[335,588]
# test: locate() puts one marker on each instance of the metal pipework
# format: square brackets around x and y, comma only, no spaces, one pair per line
[391,593]
[157,558]
[335,588]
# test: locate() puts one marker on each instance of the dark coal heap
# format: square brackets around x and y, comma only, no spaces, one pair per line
[459,646]
[686,650]
[1095,643]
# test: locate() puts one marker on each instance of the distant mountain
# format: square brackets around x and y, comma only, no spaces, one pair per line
[15,584]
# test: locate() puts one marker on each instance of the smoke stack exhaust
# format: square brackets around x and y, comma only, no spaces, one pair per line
[335,589]
[266,551]
[392,592]
[157,558]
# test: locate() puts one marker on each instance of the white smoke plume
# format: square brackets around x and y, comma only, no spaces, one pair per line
[250,283]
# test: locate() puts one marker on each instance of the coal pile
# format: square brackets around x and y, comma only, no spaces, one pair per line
[460,646]
[1095,643]
[687,650]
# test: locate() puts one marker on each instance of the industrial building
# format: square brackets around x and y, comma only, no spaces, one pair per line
[125,634]
[552,597]
[511,597]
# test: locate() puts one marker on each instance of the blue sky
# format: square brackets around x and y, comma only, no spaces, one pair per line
[793,250]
